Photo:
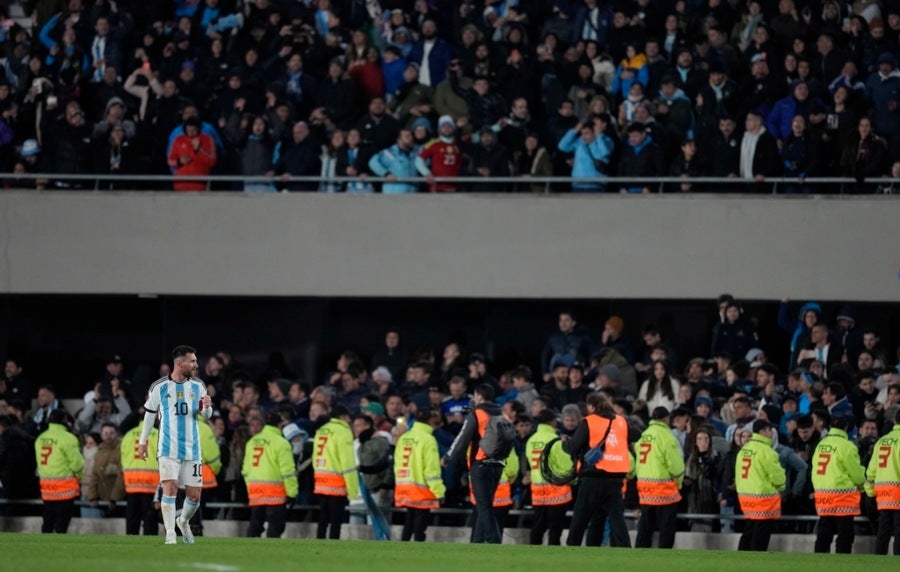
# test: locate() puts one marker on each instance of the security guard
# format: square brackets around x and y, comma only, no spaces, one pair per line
[270,474]
[141,478]
[417,475]
[60,465]
[660,472]
[334,466]
[883,482]
[759,480]
[600,491]
[549,501]
[837,478]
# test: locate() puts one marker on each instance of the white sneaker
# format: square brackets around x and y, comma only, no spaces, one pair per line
[171,538]
[186,535]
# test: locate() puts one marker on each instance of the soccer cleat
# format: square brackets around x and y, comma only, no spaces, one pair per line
[171,538]
[186,535]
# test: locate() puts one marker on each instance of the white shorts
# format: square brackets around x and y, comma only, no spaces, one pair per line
[187,473]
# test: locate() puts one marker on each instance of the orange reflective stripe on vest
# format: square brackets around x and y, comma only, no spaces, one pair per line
[140,481]
[414,495]
[483,419]
[760,507]
[837,502]
[209,477]
[266,493]
[615,452]
[545,494]
[657,492]
[59,488]
[330,483]
[887,494]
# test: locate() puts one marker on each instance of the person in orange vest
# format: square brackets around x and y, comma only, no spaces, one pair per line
[60,465]
[334,466]
[660,472]
[759,480]
[141,478]
[837,478]
[600,492]
[549,500]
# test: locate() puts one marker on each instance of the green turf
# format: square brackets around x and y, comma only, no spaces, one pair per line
[27,552]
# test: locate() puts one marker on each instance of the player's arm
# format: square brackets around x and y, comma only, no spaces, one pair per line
[151,406]
[205,402]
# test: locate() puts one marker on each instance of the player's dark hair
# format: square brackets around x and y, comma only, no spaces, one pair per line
[181,351]
[486,391]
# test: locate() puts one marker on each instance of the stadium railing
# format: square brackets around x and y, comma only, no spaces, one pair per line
[524,185]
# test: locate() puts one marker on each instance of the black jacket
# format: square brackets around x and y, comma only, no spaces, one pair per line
[469,433]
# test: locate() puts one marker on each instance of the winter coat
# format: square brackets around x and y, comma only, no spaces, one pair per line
[881,92]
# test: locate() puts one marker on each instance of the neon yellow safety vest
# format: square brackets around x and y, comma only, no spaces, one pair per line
[60,463]
[759,479]
[660,466]
[269,469]
[417,469]
[209,453]
[542,492]
[837,475]
[141,476]
[334,461]
[883,473]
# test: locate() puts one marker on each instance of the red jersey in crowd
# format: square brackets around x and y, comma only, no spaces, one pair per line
[188,161]
[445,160]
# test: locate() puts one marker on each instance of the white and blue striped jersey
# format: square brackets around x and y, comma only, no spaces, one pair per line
[177,404]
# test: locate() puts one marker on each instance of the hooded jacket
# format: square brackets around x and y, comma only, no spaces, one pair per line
[798,331]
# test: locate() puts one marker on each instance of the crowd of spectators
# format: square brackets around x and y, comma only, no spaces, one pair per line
[838,368]
[431,88]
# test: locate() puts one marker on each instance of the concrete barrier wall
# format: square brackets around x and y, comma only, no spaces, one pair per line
[225,528]
[665,246]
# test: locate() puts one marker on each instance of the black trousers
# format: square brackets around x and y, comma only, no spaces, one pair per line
[662,518]
[275,515]
[415,525]
[139,509]
[57,516]
[548,518]
[485,478]
[599,498]
[888,525]
[831,525]
[332,514]
[756,535]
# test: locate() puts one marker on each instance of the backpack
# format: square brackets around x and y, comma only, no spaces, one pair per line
[499,437]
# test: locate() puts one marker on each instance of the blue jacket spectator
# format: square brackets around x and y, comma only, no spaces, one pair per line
[590,148]
[592,22]
[397,161]
[883,92]
[434,70]
[778,123]
[810,315]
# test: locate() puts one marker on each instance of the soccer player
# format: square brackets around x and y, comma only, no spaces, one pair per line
[177,399]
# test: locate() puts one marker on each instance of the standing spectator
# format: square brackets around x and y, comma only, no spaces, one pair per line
[68,140]
[368,76]
[398,161]
[106,482]
[60,466]
[703,472]
[883,94]
[352,162]
[865,155]
[432,53]
[736,335]
[298,156]
[760,480]
[570,344]
[660,472]
[533,160]
[339,95]
[642,157]
[801,155]
[101,409]
[18,466]
[489,159]
[660,389]
[759,151]
[441,157]
[193,154]
[592,154]
[613,338]
[336,479]
[377,129]
[250,136]
[47,403]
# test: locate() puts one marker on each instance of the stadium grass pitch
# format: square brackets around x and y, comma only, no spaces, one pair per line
[35,552]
